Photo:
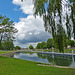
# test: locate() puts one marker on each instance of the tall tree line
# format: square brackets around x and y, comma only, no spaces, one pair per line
[51,44]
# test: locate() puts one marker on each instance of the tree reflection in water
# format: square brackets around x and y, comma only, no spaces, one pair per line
[57,59]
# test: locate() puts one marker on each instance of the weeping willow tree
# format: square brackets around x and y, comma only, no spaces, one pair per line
[59,19]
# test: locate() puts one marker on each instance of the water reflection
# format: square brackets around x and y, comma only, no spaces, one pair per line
[48,58]
[58,59]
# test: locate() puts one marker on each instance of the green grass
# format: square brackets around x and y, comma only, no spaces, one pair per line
[56,50]
[3,52]
[12,66]
[29,52]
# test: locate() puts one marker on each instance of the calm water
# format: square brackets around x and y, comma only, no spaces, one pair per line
[47,58]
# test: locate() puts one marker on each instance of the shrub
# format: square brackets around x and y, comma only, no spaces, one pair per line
[31,47]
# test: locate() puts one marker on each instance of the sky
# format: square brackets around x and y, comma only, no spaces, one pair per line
[30,30]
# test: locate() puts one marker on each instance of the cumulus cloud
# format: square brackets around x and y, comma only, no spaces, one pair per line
[30,30]
[26,5]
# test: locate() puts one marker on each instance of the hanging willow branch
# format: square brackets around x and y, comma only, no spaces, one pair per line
[57,21]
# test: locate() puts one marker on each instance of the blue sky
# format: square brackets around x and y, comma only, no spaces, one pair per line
[10,10]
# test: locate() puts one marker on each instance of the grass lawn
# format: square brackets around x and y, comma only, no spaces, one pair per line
[12,66]
[56,50]
[3,52]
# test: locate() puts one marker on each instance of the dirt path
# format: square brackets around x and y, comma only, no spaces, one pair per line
[8,54]
[55,66]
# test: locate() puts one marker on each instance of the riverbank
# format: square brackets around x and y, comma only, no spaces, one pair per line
[7,53]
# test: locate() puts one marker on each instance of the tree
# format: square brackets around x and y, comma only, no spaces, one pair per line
[50,43]
[8,45]
[45,46]
[7,29]
[31,47]
[17,47]
[40,45]
[72,43]
[54,18]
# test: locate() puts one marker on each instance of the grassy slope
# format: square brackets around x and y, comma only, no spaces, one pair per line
[12,66]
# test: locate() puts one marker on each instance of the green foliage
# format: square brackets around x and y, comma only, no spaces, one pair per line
[17,47]
[54,43]
[7,30]
[45,46]
[41,45]
[50,43]
[8,45]
[57,29]
[1,47]
[72,43]
[38,46]
[31,47]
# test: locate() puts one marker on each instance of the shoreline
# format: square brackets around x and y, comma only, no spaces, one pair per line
[48,65]
[8,54]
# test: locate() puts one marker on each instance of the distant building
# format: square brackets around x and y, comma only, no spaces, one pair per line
[68,46]
[52,47]
[24,49]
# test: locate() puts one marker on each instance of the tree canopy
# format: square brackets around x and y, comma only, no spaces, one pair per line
[7,45]
[17,47]
[50,43]
[31,47]
[7,30]
[41,45]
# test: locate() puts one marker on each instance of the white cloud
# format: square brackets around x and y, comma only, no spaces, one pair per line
[30,24]
[36,33]
[26,5]
[30,33]
[30,30]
